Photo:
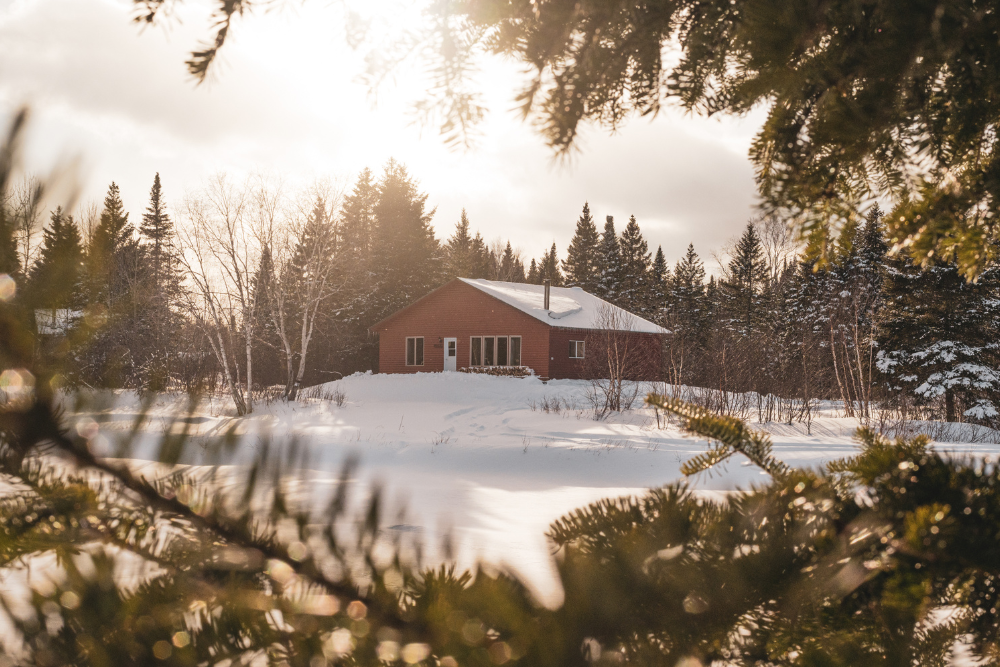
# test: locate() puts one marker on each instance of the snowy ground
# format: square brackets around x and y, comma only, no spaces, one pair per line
[493,461]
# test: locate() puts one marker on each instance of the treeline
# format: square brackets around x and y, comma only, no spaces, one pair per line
[258,288]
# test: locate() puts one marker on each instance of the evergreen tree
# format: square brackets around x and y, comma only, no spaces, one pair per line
[510,267]
[534,275]
[161,288]
[112,256]
[686,316]
[482,262]
[634,285]
[938,339]
[407,260]
[56,280]
[609,262]
[459,250]
[582,264]
[548,267]
[358,222]
[659,282]
[745,283]
[157,232]
[9,258]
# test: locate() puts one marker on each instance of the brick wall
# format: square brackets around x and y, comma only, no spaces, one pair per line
[460,311]
[646,354]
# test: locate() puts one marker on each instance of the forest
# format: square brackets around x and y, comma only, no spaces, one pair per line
[256,292]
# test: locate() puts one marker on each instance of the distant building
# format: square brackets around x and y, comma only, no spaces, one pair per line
[482,323]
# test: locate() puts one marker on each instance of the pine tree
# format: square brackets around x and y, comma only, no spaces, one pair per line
[112,256]
[161,288]
[157,231]
[9,259]
[56,280]
[744,285]
[548,268]
[534,275]
[459,250]
[357,225]
[938,339]
[482,262]
[609,262]
[407,259]
[634,285]
[686,316]
[581,265]
[510,267]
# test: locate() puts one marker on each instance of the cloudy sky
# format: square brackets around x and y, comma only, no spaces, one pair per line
[287,100]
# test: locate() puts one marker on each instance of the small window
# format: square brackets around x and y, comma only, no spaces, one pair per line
[576,349]
[452,348]
[415,351]
[476,357]
[488,352]
[515,350]
[501,350]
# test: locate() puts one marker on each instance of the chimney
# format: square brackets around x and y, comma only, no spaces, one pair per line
[548,287]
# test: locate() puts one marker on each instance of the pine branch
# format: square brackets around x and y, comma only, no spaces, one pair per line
[732,435]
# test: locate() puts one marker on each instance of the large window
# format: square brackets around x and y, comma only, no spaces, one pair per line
[495,351]
[415,351]
[476,357]
[576,349]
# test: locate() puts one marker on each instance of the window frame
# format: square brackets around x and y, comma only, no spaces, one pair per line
[577,349]
[475,349]
[418,351]
[506,350]
[489,351]
[510,350]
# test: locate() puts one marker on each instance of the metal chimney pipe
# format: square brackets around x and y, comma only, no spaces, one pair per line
[548,287]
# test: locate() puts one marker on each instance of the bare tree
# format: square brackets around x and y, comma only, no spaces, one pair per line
[304,256]
[616,359]
[220,250]
[25,204]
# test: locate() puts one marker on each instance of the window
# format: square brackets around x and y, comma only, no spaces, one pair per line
[495,351]
[488,352]
[501,350]
[415,351]
[576,349]
[452,348]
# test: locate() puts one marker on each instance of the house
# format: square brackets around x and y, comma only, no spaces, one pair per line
[557,332]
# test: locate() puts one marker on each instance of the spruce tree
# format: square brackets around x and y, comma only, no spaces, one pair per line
[357,224]
[534,275]
[938,339]
[9,259]
[56,280]
[157,232]
[459,250]
[582,266]
[407,257]
[634,285]
[745,283]
[481,260]
[686,316]
[113,252]
[548,267]
[609,262]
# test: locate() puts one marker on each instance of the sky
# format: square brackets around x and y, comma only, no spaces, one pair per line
[287,100]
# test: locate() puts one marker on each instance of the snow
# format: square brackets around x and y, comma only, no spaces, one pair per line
[569,307]
[490,461]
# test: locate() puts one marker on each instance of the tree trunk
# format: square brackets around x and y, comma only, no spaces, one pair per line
[949,406]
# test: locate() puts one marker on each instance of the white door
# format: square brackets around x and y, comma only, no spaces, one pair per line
[451,354]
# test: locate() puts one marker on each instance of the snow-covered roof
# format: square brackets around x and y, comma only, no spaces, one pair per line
[569,307]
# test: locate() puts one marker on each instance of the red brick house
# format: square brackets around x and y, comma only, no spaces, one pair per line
[486,323]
